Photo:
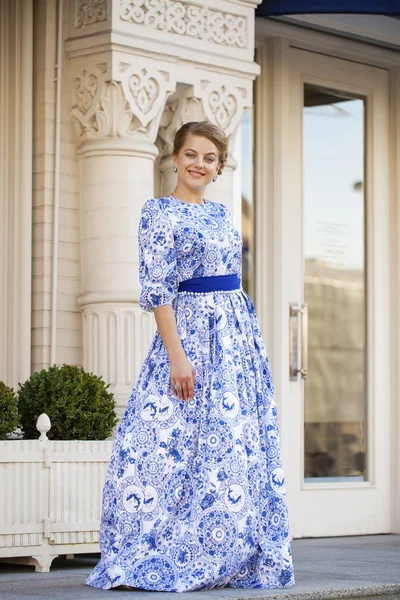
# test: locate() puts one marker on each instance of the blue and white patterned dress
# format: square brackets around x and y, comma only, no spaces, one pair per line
[194,496]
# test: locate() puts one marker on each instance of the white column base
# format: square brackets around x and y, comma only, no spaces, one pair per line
[117,337]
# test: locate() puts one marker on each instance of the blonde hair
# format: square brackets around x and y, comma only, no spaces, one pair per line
[206,129]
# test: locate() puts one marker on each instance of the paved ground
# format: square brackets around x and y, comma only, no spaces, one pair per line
[327,568]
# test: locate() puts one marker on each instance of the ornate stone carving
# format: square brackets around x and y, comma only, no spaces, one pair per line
[86,88]
[146,89]
[111,117]
[104,107]
[88,12]
[181,108]
[224,105]
[187,18]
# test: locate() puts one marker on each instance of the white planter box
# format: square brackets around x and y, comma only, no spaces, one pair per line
[50,497]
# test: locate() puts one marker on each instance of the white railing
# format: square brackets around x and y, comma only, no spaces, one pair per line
[50,497]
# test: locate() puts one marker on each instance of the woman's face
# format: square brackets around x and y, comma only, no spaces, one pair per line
[197,162]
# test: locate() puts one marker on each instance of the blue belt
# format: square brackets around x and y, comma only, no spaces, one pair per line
[213,283]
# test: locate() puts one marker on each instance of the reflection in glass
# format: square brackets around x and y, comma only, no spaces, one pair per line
[334,276]
[247,203]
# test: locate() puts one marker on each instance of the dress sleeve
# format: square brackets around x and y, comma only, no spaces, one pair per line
[158,273]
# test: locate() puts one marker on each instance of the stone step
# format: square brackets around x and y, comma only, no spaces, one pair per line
[351,568]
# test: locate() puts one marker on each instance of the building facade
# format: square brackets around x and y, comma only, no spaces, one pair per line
[92,93]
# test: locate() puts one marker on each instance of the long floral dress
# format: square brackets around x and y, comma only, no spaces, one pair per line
[194,496]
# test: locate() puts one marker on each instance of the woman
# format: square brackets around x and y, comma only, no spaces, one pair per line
[194,496]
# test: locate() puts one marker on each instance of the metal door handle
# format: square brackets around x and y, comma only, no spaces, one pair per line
[295,311]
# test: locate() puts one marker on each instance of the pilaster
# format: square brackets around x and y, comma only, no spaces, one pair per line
[15,190]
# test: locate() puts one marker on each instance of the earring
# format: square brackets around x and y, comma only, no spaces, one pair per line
[214,178]
[175,170]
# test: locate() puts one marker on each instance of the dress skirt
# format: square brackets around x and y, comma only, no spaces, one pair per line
[194,497]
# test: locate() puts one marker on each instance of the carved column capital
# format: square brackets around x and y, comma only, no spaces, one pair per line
[181,107]
[222,104]
[124,102]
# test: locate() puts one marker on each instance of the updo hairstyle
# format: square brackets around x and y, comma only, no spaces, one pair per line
[204,129]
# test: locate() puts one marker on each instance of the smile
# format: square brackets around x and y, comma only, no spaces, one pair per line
[196,174]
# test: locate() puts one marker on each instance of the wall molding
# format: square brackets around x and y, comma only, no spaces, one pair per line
[377,29]
[190,19]
[218,37]
[326,43]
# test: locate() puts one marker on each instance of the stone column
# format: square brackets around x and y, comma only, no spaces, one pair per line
[116,124]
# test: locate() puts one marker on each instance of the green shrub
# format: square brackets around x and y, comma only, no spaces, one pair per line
[8,410]
[77,403]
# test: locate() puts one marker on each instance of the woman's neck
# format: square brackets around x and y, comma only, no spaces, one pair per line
[188,195]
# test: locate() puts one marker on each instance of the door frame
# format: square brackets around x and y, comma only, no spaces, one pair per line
[364,509]
[272,147]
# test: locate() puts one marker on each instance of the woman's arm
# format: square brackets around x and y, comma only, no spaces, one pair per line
[182,371]
[158,276]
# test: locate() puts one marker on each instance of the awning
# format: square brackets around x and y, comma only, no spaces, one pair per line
[269,8]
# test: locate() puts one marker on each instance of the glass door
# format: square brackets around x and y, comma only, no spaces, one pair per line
[335,271]
[336,397]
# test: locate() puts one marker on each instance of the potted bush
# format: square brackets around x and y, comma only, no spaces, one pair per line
[77,403]
[8,411]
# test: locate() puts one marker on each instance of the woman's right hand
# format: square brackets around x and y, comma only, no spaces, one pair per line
[183,373]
